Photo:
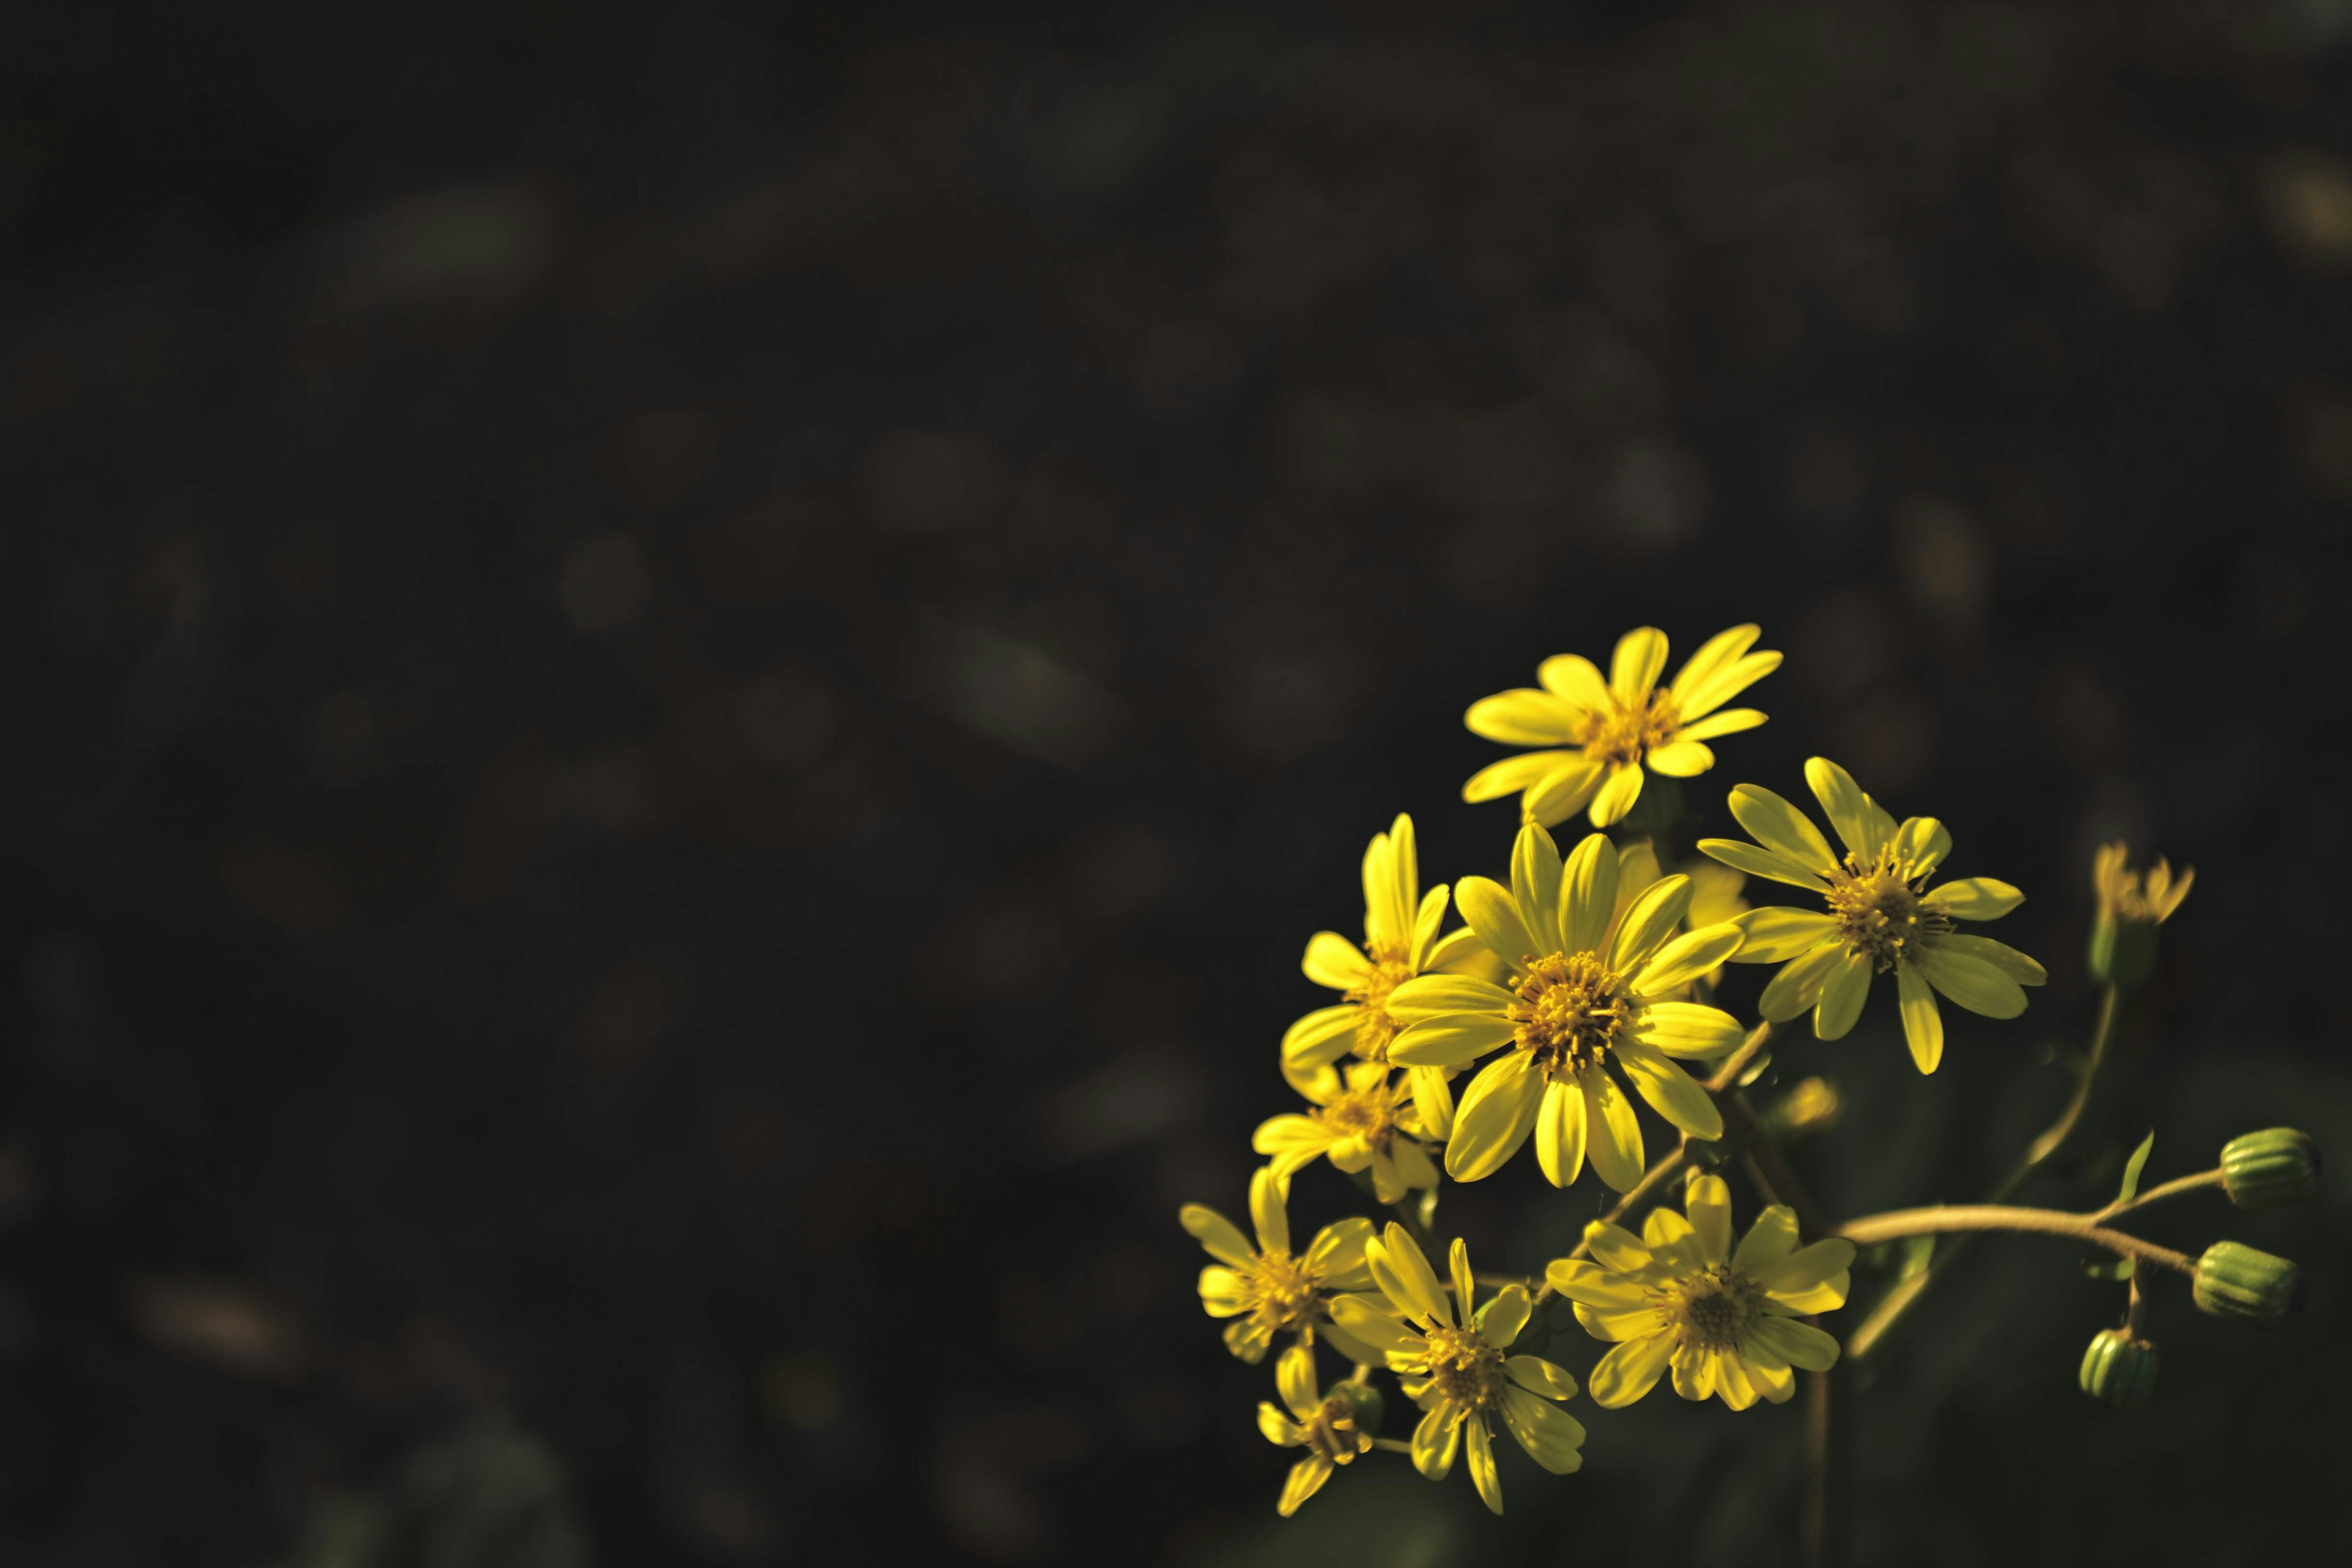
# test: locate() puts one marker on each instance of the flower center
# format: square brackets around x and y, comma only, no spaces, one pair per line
[1284,1288]
[1714,1310]
[1374,1028]
[1466,1369]
[1568,1010]
[1333,1433]
[1878,912]
[1621,735]
[1369,1113]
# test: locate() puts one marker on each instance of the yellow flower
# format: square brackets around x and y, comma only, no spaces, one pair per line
[1364,1121]
[1593,980]
[1599,733]
[1456,1366]
[1265,1289]
[1725,1321]
[1881,915]
[2125,895]
[1328,1426]
[1401,940]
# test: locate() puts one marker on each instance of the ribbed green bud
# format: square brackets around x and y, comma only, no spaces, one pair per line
[2270,1169]
[2119,1369]
[2234,1280]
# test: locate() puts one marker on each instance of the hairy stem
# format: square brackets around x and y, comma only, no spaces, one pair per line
[1941,1218]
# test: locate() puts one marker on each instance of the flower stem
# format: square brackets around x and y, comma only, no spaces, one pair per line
[2171,1189]
[1392,1445]
[1939,1218]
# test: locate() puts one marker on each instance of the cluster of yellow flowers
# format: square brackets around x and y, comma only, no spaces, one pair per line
[1581,977]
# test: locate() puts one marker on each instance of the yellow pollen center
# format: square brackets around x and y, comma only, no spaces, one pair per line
[1369,1113]
[1284,1288]
[1333,1433]
[1621,735]
[1374,1028]
[1466,1368]
[1715,1310]
[1568,1010]
[1878,912]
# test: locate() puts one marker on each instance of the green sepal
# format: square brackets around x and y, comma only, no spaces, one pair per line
[1365,1400]
[2122,953]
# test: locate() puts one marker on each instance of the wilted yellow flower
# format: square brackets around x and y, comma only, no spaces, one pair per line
[2123,935]
[1401,940]
[1456,1366]
[1328,1426]
[1593,976]
[1266,1288]
[1881,915]
[1724,1320]
[1599,734]
[1364,1121]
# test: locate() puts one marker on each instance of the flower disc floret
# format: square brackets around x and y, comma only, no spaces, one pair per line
[1680,1298]
[1453,1359]
[1880,915]
[1361,1119]
[1598,736]
[1596,978]
[1267,1289]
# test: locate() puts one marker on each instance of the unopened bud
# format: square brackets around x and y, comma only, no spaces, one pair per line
[2270,1169]
[2131,905]
[2234,1280]
[1812,1105]
[2119,1369]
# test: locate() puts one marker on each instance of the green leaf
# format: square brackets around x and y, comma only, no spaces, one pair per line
[1913,1254]
[2109,1269]
[2132,1168]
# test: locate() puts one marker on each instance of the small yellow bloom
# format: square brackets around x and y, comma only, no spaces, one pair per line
[1266,1290]
[1456,1365]
[1328,1426]
[1363,1123]
[2123,936]
[1401,940]
[1596,973]
[1725,1321]
[1881,915]
[1599,734]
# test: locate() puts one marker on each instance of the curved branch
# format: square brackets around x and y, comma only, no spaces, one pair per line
[1941,1218]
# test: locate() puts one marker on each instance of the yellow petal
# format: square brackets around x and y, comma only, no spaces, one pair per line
[1494,914]
[1535,886]
[1634,667]
[1726,684]
[1525,716]
[1718,653]
[1715,726]
[1550,1436]
[1539,1376]
[1923,1025]
[1775,933]
[1559,1133]
[1731,1385]
[1515,774]
[1307,1478]
[1826,1296]
[1629,1371]
[1683,759]
[1619,1250]
[1588,894]
[1294,1380]
[1426,997]
[1591,1285]
[1433,1099]
[1689,1029]
[1799,1344]
[1782,827]
[1575,681]
[1650,922]
[1775,1383]
[1409,1267]
[1450,1042]
[1802,1270]
[1613,1139]
[1758,861]
[1333,961]
[1847,807]
[1694,1371]
[1799,984]
[1686,958]
[1672,1240]
[1336,1256]
[1494,1117]
[1402,881]
[1501,1320]
[1706,1199]
[1465,1284]
[1218,1236]
[1425,923]
[1373,1321]
[1921,843]
[1267,1213]
[1617,793]
[1224,1293]
[1843,990]
[1289,1134]
[1482,1463]
[1670,1091]
[1564,789]
[1999,954]
[1970,981]
[1434,1442]
[1618,1324]
[1280,1429]
[1322,1037]
[1772,1238]
[1974,898]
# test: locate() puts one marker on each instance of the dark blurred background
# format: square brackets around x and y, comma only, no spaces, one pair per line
[682,679]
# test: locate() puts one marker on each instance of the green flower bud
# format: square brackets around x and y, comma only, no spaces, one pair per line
[2234,1280]
[2119,1369]
[2270,1169]
[2122,953]
[1364,1400]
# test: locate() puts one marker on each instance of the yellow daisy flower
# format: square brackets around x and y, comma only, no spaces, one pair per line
[1881,915]
[2125,895]
[1330,1427]
[1594,983]
[1401,940]
[1266,1290]
[1456,1366]
[1680,1297]
[1599,734]
[1362,1121]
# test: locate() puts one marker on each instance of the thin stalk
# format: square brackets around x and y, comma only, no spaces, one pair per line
[1392,1445]
[2171,1189]
[1943,1218]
